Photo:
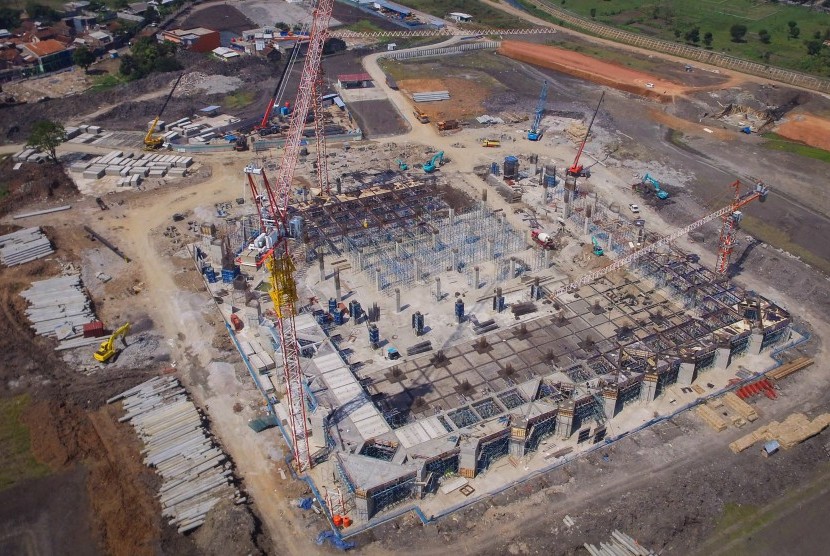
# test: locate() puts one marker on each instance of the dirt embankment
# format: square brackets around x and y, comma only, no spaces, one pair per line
[591,69]
[812,130]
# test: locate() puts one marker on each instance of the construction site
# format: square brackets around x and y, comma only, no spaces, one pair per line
[467,279]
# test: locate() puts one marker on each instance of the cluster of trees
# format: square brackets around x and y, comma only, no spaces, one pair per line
[148,56]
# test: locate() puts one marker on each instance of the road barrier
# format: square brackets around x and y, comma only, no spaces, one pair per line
[426,52]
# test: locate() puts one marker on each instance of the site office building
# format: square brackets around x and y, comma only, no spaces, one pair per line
[198,39]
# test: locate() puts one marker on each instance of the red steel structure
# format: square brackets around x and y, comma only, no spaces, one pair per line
[732,219]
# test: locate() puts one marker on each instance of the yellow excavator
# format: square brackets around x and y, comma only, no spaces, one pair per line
[153,142]
[108,350]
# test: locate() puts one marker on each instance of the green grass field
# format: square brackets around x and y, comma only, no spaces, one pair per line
[484,16]
[239,99]
[778,143]
[16,460]
[663,18]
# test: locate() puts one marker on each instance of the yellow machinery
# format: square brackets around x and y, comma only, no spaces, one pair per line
[153,142]
[491,143]
[107,349]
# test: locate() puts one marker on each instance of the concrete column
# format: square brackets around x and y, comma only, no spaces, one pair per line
[397,300]
[363,507]
[722,357]
[547,258]
[537,290]
[648,388]
[755,341]
[687,373]
[518,438]
[399,248]
[418,272]
[565,420]
[566,209]
[337,295]
[468,457]
[360,259]
[484,194]
[585,226]
[322,266]
[512,268]
[378,279]
[452,216]
[491,249]
[609,398]
[455,261]
[435,239]
[438,288]
[476,277]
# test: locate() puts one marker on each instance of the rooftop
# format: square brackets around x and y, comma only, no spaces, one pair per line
[354,77]
[45,48]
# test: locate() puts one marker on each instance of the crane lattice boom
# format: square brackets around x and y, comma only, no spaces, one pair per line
[759,193]
[281,267]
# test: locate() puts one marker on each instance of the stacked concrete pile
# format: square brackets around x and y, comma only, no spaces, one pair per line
[793,430]
[619,544]
[24,246]
[132,169]
[30,155]
[59,308]
[260,359]
[195,473]
[84,134]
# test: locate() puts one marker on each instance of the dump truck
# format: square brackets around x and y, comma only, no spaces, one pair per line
[423,118]
[447,125]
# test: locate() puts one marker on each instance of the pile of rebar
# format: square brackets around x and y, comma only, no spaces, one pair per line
[620,544]
[195,472]
[24,246]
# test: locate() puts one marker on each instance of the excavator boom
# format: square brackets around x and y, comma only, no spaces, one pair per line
[107,349]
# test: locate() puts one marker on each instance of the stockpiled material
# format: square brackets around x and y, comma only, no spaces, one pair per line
[793,430]
[195,472]
[24,246]
[711,418]
[737,404]
[59,308]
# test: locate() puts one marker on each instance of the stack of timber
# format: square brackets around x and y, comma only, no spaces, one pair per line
[24,246]
[711,418]
[741,407]
[59,308]
[195,473]
[789,368]
[793,430]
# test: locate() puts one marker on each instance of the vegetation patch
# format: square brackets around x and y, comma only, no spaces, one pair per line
[239,99]
[364,26]
[106,82]
[16,460]
[779,143]
[770,32]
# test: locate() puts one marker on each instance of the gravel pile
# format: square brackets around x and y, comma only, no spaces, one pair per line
[199,83]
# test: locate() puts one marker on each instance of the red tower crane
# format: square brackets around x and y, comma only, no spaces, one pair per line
[732,219]
[576,169]
[280,265]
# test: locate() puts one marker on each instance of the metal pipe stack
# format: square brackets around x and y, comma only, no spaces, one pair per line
[24,246]
[195,473]
[59,307]
[620,544]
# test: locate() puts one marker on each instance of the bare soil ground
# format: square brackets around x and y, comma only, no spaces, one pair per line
[221,17]
[42,184]
[806,128]
[591,69]
[466,97]
[377,118]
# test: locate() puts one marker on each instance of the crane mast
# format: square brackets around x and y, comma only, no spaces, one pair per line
[280,265]
[534,134]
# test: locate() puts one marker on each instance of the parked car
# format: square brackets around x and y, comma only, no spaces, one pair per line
[634,208]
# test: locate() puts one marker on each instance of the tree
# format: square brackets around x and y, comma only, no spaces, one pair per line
[707,39]
[47,135]
[593,13]
[738,32]
[764,36]
[693,35]
[9,18]
[813,47]
[794,30]
[83,57]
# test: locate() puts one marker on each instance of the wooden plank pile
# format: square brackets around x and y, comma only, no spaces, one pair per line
[24,246]
[195,473]
[711,418]
[793,430]
[59,308]
[789,368]
[741,407]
